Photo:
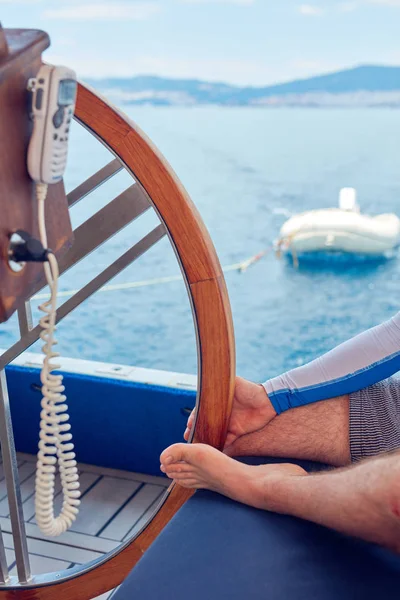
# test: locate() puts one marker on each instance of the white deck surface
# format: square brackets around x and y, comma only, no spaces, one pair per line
[115,504]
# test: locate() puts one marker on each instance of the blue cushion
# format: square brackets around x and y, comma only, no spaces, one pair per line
[215,548]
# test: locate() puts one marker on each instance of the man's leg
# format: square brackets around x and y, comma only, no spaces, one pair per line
[361,500]
[318,431]
[335,431]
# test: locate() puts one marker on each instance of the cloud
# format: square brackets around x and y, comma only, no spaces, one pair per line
[309,10]
[101,11]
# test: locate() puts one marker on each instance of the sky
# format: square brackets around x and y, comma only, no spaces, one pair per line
[244,42]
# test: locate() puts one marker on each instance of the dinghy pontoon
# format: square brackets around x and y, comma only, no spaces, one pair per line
[342,229]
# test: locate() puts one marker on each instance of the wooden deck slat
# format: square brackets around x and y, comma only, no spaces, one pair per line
[44,564]
[25,470]
[27,488]
[141,477]
[19,462]
[115,503]
[69,538]
[143,519]
[102,502]
[10,557]
[132,512]
[52,549]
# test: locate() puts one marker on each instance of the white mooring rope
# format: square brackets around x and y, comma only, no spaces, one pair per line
[240,266]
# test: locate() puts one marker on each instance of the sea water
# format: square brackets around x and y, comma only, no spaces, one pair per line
[247,170]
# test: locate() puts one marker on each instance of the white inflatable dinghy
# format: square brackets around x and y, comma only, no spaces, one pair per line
[342,229]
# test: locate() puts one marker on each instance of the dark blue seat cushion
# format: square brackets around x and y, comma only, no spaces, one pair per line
[215,548]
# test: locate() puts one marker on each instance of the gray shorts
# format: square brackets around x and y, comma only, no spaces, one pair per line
[375,419]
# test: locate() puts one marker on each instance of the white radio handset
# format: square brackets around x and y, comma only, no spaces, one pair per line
[53,102]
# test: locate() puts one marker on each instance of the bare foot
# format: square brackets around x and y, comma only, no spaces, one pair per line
[251,411]
[201,466]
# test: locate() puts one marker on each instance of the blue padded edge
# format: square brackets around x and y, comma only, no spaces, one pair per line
[117,424]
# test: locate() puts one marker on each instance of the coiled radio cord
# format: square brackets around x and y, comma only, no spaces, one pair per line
[55,445]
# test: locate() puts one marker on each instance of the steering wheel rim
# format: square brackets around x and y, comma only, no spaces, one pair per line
[210,305]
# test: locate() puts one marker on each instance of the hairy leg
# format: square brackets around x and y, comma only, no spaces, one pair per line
[318,431]
[361,500]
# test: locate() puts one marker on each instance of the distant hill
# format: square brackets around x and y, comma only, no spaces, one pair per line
[361,86]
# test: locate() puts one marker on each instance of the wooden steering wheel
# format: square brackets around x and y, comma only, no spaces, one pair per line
[155,183]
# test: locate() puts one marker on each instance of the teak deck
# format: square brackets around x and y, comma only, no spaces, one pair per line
[115,504]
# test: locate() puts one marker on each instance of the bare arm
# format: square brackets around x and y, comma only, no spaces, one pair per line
[362,500]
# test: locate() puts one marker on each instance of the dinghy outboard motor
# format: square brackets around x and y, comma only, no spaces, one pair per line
[348,199]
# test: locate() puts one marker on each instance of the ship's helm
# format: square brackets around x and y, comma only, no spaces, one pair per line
[155,186]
